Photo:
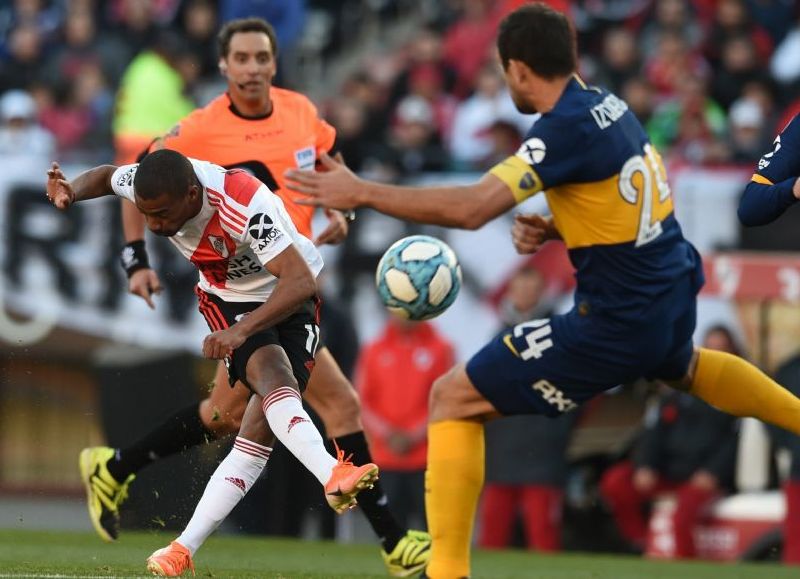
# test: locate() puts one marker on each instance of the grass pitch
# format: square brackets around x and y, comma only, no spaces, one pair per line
[60,554]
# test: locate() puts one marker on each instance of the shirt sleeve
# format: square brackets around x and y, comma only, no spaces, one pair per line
[122,181]
[266,229]
[325,137]
[769,192]
[547,158]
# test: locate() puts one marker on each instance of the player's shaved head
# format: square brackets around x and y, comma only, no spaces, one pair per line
[164,172]
[540,37]
[245,25]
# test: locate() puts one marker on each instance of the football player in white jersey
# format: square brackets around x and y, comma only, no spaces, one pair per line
[257,292]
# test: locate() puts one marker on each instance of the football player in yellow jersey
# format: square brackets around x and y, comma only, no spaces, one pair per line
[637,277]
[264,130]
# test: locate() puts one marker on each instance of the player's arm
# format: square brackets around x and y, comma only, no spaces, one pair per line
[775,185]
[296,284]
[462,206]
[90,184]
[763,202]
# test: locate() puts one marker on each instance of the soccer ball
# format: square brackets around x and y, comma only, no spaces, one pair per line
[418,277]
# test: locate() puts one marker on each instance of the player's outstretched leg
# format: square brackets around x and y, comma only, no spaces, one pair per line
[106,472]
[404,552]
[235,475]
[735,386]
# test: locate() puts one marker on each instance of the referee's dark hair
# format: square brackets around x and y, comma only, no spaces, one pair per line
[540,37]
[164,172]
[251,24]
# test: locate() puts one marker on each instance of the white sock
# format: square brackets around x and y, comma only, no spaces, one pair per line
[293,427]
[227,486]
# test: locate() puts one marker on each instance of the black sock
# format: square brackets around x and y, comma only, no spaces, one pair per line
[181,431]
[372,501]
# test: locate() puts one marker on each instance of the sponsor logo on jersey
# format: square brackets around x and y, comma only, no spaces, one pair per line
[532,151]
[218,245]
[126,179]
[263,229]
[295,421]
[305,158]
[553,396]
[241,267]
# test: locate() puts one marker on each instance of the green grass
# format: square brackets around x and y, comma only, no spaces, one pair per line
[34,554]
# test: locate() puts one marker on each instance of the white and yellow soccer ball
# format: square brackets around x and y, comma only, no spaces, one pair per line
[418,277]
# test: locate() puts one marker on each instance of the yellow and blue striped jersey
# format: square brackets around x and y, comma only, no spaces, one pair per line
[607,189]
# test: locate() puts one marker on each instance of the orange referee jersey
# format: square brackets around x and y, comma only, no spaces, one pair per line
[291,136]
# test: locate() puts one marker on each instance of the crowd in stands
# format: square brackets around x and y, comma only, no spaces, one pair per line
[712,80]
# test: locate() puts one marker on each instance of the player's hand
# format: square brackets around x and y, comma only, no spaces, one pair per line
[704,480]
[221,344]
[144,283]
[336,231]
[644,479]
[336,187]
[59,189]
[530,231]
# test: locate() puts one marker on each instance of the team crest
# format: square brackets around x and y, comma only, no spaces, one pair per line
[218,245]
[532,151]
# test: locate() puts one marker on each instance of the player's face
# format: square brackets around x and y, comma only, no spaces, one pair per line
[166,214]
[249,66]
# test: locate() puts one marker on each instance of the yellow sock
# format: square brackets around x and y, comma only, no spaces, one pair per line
[737,387]
[453,484]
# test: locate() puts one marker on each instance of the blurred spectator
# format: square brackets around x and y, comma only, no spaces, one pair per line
[426,81]
[468,41]
[670,18]
[732,19]
[25,57]
[749,133]
[43,15]
[137,22]
[739,64]
[620,60]
[691,124]
[152,97]
[470,141]
[424,50]
[414,143]
[198,20]
[349,117]
[287,17]
[20,133]
[78,113]
[80,44]
[522,478]
[504,140]
[639,95]
[673,61]
[362,88]
[688,448]
[394,377]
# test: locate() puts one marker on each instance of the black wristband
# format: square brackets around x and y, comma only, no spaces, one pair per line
[133,257]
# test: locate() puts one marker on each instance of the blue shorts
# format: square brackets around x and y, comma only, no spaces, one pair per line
[551,366]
